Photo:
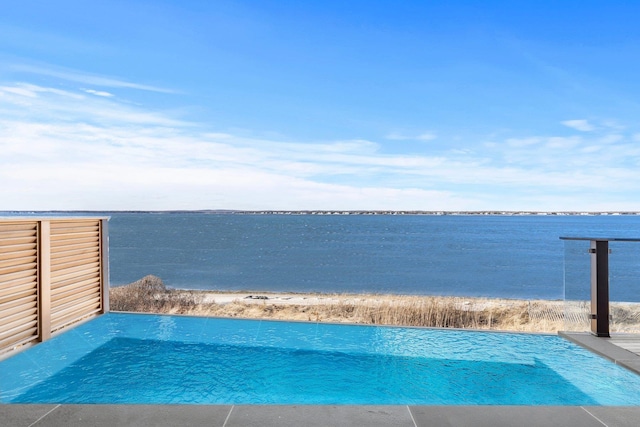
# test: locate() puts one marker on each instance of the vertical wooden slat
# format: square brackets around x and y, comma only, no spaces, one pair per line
[18,283]
[45,281]
[66,272]
[104,264]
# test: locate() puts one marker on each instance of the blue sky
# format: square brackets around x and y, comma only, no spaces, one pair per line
[426,105]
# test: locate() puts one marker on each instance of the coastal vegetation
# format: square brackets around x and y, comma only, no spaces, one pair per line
[150,295]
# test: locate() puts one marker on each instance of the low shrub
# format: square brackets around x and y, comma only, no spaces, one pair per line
[150,295]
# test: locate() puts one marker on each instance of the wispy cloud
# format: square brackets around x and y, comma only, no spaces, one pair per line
[86,78]
[523,142]
[73,150]
[562,142]
[51,105]
[427,136]
[32,91]
[581,125]
[611,138]
[98,93]
[399,136]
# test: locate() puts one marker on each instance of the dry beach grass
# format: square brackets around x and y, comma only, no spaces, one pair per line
[150,295]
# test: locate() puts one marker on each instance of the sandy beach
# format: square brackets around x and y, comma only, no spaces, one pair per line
[150,295]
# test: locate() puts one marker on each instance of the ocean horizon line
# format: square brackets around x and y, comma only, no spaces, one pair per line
[328,212]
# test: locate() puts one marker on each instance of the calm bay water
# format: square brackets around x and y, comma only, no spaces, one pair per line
[493,256]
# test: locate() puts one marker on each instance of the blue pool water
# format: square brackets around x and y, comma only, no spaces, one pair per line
[137,358]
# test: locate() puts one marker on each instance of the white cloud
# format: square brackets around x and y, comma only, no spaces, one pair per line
[99,93]
[66,150]
[592,149]
[32,91]
[426,136]
[86,78]
[73,152]
[561,142]
[613,125]
[399,136]
[581,125]
[611,138]
[394,136]
[523,142]
[17,90]
[54,106]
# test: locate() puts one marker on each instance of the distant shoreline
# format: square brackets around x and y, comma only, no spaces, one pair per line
[335,212]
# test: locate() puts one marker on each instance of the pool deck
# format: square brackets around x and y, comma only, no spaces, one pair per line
[622,349]
[316,416]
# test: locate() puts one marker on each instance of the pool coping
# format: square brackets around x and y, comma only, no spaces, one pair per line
[604,347]
[316,415]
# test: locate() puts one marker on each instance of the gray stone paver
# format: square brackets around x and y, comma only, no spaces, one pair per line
[606,348]
[320,416]
[135,415]
[23,415]
[312,415]
[627,341]
[495,416]
[616,416]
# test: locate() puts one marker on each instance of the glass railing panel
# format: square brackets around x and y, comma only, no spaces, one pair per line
[624,286]
[577,285]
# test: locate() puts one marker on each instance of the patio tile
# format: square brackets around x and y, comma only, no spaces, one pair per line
[319,416]
[136,415]
[616,416]
[497,416]
[606,347]
[23,415]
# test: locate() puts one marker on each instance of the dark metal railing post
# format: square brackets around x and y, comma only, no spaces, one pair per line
[599,251]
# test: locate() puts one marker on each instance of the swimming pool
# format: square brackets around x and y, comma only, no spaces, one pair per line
[158,359]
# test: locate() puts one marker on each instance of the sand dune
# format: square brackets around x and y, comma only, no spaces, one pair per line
[150,295]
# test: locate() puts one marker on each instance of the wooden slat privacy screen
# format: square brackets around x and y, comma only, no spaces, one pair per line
[18,283]
[53,272]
